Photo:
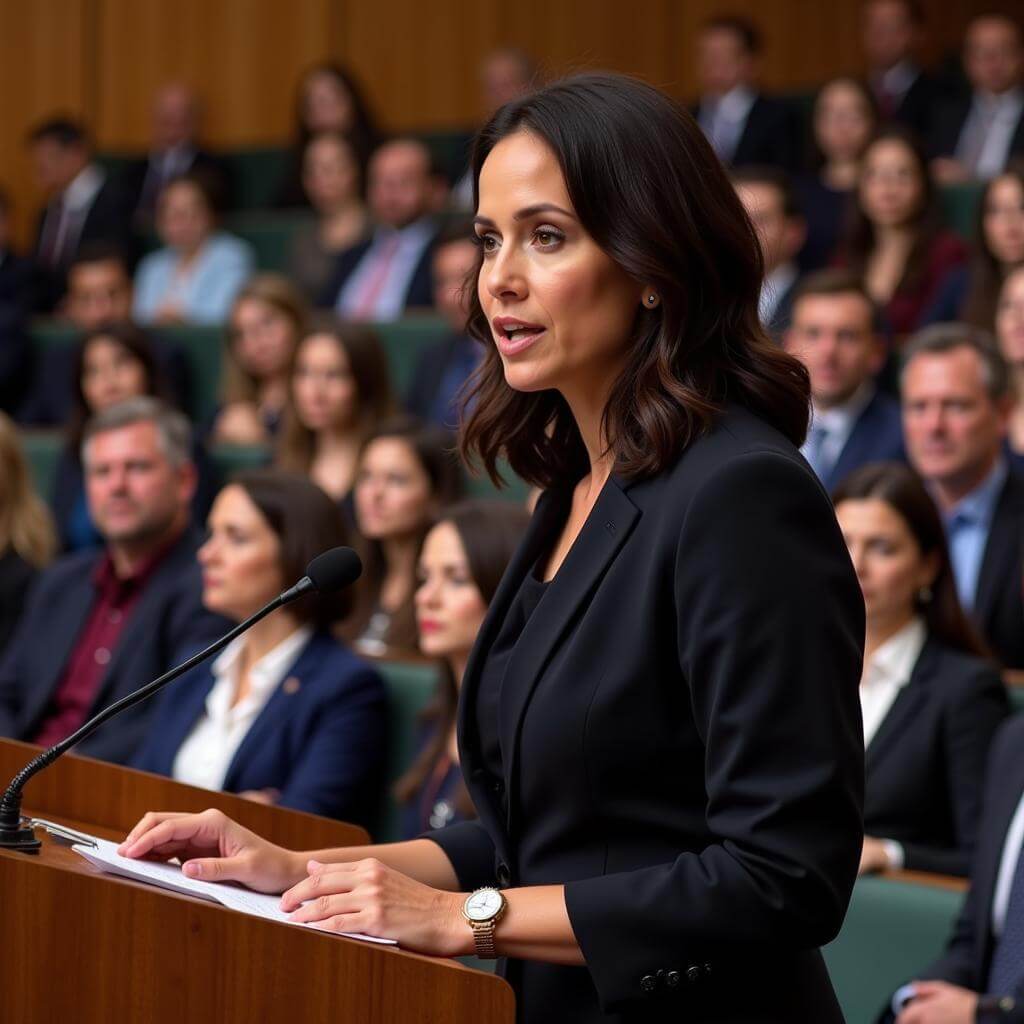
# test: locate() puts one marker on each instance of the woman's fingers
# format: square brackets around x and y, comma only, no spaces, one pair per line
[148,821]
[166,828]
[324,907]
[324,880]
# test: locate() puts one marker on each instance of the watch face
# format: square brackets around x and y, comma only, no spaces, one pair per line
[483,904]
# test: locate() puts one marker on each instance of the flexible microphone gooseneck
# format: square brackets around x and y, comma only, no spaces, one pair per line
[326,574]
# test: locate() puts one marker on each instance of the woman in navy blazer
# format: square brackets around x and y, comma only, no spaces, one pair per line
[286,714]
[659,725]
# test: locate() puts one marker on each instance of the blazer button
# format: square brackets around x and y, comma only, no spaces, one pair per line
[693,973]
[672,979]
[648,982]
[498,787]
[503,874]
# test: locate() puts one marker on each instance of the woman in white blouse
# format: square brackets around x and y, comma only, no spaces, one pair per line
[285,714]
[930,699]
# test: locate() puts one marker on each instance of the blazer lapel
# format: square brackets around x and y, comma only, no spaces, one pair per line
[902,713]
[997,560]
[188,705]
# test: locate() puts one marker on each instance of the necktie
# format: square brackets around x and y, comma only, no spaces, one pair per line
[976,133]
[373,284]
[814,451]
[1006,971]
[51,243]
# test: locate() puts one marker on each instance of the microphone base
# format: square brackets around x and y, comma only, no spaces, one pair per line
[22,838]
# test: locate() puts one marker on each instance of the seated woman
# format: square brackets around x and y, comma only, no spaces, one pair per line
[332,179]
[1010,336]
[194,278]
[896,241]
[27,537]
[930,700]
[463,559]
[266,321]
[286,714]
[111,364]
[340,392]
[407,473]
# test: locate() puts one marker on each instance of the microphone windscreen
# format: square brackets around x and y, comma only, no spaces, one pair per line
[334,570]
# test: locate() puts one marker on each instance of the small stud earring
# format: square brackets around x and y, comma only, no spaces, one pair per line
[652,300]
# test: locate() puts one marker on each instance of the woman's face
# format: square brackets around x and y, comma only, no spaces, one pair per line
[543,273]
[323,387]
[1010,319]
[326,104]
[886,556]
[110,374]
[393,496]
[183,219]
[329,173]
[241,559]
[1004,220]
[263,338]
[842,122]
[449,605]
[891,190]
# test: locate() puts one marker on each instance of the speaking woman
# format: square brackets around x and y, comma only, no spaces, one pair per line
[659,725]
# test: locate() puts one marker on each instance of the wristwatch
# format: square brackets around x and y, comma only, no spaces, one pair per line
[483,909]
[994,1008]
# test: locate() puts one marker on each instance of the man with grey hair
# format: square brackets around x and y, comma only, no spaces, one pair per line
[98,625]
[956,407]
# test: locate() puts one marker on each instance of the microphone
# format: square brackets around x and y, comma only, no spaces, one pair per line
[328,573]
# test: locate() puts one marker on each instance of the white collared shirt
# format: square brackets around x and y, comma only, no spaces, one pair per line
[1007,868]
[1005,111]
[838,423]
[204,757]
[898,79]
[84,188]
[887,672]
[724,118]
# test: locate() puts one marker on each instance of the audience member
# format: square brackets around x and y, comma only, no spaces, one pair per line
[742,124]
[443,368]
[195,276]
[340,393]
[843,120]
[975,136]
[956,405]
[286,714]
[70,655]
[15,271]
[407,473]
[15,300]
[834,335]
[896,241]
[1010,336]
[267,320]
[980,977]
[383,277]
[768,197]
[174,150]
[970,293]
[27,537]
[930,701]
[329,100]
[464,556]
[83,204]
[332,179]
[891,35]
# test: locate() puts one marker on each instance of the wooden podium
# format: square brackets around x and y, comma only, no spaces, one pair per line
[78,945]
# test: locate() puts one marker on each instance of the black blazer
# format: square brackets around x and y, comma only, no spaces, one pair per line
[949,123]
[999,600]
[681,742]
[15,576]
[877,436]
[212,168]
[925,767]
[168,620]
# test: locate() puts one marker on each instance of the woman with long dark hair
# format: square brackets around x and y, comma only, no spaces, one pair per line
[659,725]
[930,699]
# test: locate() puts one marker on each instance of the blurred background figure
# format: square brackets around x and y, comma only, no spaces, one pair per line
[15,271]
[1010,336]
[15,301]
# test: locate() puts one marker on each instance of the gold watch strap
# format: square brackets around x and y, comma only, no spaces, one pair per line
[483,936]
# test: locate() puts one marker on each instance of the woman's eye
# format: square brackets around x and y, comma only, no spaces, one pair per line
[547,238]
[488,243]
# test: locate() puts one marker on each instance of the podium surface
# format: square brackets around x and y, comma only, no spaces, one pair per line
[81,945]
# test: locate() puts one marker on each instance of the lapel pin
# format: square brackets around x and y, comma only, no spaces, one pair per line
[291,685]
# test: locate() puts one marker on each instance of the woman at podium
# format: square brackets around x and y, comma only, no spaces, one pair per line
[659,725]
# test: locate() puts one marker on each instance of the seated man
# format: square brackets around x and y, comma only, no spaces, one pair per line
[980,978]
[956,407]
[381,278]
[833,334]
[98,625]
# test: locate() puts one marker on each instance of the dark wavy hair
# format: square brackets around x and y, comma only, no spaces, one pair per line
[648,188]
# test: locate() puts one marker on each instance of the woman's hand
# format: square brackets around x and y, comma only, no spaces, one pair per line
[873,857]
[214,848]
[938,1002]
[367,896]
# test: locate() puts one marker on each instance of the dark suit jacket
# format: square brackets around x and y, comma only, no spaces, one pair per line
[168,620]
[15,356]
[432,368]
[211,167]
[925,766]
[877,436]
[15,576]
[770,136]
[949,123]
[681,742]
[320,742]
[917,108]
[999,602]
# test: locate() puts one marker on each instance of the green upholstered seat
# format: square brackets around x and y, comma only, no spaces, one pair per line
[1016,693]
[229,459]
[42,449]
[270,235]
[959,205]
[256,175]
[893,930]
[404,341]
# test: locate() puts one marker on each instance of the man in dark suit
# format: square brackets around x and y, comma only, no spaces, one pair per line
[834,334]
[98,625]
[83,205]
[381,278]
[15,282]
[975,135]
[980,977]
[956,406]
[742,124]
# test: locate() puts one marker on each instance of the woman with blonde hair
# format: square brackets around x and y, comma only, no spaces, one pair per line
[27,537]
[267,319]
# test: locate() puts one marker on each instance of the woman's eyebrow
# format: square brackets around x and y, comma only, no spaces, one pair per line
[527,211]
